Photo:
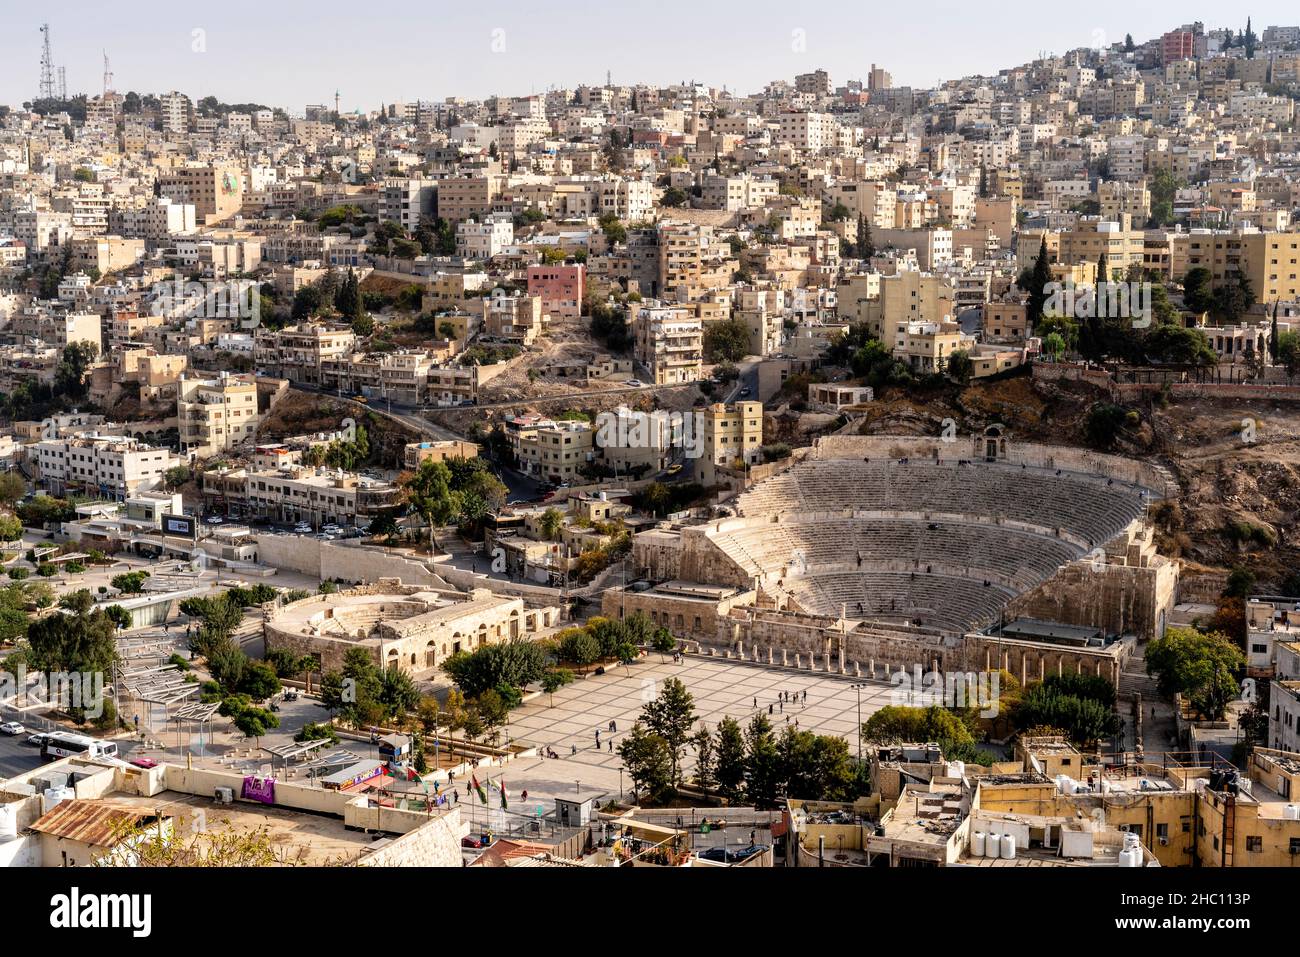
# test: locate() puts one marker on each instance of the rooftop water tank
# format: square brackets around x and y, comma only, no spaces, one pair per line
[53,797]
[1009,847]
[993,846]
[1291,812]
[977,844]
[8,822]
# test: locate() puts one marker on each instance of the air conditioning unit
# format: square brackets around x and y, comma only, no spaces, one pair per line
[1164,842]
[224,795]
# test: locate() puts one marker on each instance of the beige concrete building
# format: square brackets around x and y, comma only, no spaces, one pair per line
[1271,261]
[732,434]
[214,415]
[215,191]
[669,342]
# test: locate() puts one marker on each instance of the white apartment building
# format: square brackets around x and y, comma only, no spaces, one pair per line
[737,192]
[114,467]
[1284,715]
[404,201]
[808,131]
[319,496]
[175,109]
[483,240]
[155,222]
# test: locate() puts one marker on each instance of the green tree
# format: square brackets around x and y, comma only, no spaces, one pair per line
[1039,278]
[960,367]
[397,692]
[663,642]
[129,583]
[578,646]
[1198,290]
[429,492]
[705,757]
[554,680]
[550,523]
[1202,666]
[12,488]
[730,762]
[763,775]
[671,715]
[726,339]
[648,760]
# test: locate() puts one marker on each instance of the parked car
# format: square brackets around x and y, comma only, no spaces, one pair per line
[11,728]
[215,519]
[145,763]
[672,470]
[36,740]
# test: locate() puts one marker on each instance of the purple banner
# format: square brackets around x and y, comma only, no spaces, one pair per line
[259,789]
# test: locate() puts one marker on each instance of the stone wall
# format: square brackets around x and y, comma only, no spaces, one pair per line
[695,619]
[1033,454]
[703,561]
[436,843]
[1121,599]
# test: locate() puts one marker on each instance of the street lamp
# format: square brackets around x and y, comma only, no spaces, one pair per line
[858,688]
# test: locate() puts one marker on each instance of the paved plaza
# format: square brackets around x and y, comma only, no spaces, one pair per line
[720,687]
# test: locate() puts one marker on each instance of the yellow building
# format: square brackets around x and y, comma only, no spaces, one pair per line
[1271,261]
[731,433]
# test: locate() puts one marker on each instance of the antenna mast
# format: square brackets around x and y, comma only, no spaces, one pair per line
[47,65]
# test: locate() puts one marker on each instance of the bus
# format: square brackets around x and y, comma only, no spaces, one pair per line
[65,745]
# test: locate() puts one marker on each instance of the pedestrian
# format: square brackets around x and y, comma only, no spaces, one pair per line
[756,703]
[573,749]
[769,709]
[455,796]
[523,795]
[805,695]
[783,707]
[611,745]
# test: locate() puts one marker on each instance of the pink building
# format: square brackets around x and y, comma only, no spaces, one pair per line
[560,289]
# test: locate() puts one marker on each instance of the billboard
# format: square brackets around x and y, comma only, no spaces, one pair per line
[183,525]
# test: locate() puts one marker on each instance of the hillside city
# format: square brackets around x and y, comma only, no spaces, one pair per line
[839,474]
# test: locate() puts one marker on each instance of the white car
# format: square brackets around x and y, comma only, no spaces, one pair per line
[12,728]
[302,527]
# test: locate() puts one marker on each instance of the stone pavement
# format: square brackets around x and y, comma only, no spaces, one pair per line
[720,687]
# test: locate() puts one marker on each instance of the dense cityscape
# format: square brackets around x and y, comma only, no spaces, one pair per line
[840,474]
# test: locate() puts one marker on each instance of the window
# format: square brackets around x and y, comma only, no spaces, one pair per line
[1254,843]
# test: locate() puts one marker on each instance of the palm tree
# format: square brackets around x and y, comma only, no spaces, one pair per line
[551,523]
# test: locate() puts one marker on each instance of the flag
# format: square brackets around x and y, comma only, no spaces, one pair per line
[504,803]
[478,788]
[412,776]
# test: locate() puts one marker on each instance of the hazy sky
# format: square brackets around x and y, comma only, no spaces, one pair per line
[287,53]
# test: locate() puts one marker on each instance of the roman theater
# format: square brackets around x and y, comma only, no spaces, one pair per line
[870,553]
